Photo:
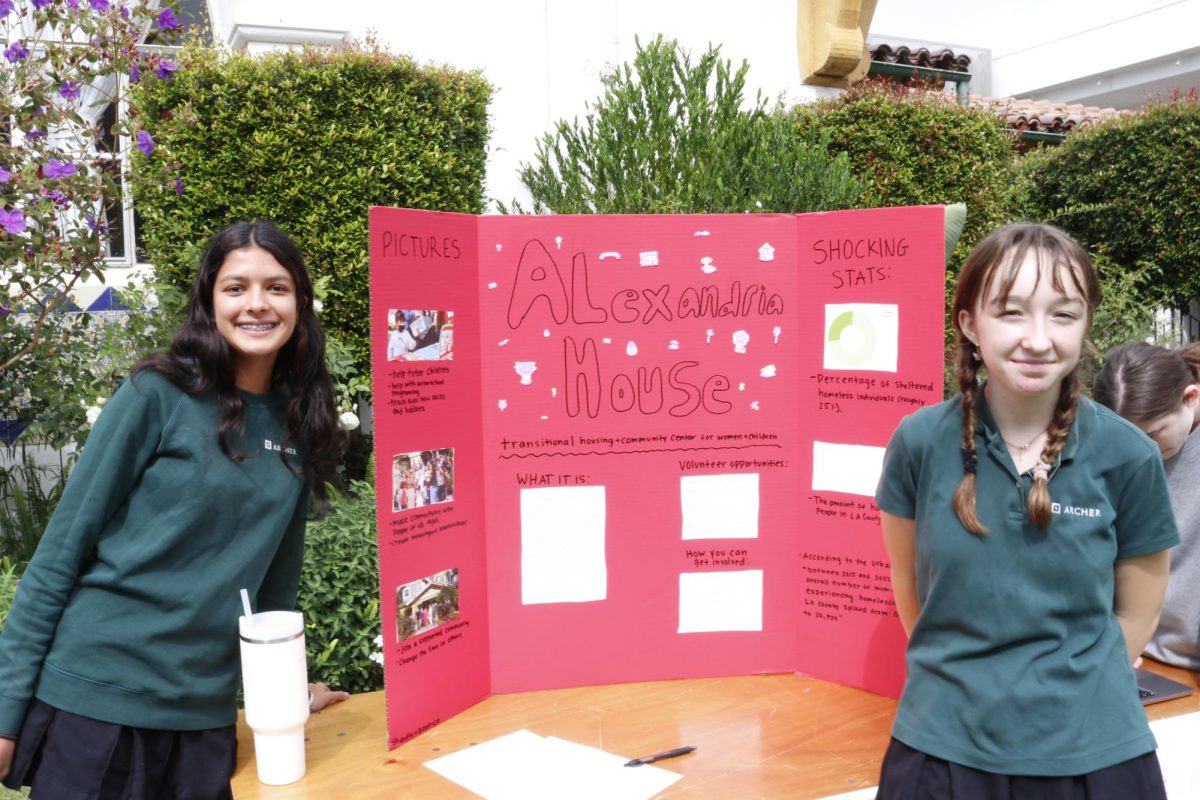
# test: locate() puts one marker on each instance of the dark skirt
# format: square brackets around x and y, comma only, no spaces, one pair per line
[62,755]
[909,774]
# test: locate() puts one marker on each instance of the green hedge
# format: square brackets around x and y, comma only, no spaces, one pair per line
[920,149]
[309,139]
[1129,190]
[339,594]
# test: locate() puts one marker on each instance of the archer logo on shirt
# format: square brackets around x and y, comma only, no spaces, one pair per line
[1073,511]
[269,445]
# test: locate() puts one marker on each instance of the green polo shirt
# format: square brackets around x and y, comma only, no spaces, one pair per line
[1016,664]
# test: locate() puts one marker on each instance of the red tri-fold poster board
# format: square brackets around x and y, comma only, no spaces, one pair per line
[628,448]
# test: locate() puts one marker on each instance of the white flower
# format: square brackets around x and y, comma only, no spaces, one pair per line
[379,641]
[93,414]
[151,300]
[317,306]
[377,658]
[348,421]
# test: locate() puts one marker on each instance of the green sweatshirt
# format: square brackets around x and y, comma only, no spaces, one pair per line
[128,611]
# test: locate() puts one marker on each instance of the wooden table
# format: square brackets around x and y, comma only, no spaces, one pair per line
[782,737]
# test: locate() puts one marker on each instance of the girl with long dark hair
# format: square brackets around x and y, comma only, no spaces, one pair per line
[118,660]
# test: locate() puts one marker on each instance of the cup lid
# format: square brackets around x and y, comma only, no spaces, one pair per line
[271,626]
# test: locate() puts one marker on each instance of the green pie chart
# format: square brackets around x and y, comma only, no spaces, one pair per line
[852,338]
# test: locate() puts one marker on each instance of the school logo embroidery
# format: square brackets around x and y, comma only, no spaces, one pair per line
[275,446]
[1073,511]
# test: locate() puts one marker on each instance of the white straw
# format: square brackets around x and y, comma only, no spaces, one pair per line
[246,606]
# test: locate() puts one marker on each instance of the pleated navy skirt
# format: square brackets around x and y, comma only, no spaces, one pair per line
[909,774]
[64,755]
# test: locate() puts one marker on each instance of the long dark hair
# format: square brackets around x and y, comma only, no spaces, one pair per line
[998,257]
[199,359]
[1141,382]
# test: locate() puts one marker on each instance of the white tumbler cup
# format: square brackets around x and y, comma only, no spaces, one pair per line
[275,684]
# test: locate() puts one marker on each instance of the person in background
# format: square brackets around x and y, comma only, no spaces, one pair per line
[1028,530]
[1158,390]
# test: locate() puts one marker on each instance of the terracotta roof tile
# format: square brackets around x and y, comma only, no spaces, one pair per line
[1019,113]
[921,57]
[1045,115]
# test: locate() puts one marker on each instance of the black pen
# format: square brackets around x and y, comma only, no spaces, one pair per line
[678,751]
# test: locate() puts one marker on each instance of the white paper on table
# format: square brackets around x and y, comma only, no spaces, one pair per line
[720,601]
[524,766]
[586,773]
[719,506]
[849,468]
[858,794]
[496,769]
[562,545]
[1177,738]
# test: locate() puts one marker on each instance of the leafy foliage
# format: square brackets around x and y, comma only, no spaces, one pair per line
[28,494]
[10,575]
[670,135]
[339,593]
[1128,190]
[311,140]
[918,148]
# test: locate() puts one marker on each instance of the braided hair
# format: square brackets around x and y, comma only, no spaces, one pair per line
[991,270]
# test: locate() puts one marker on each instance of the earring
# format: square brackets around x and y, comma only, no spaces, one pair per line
[975,355]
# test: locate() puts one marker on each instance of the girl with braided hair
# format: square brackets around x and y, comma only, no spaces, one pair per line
[1028,531]
[1158,389]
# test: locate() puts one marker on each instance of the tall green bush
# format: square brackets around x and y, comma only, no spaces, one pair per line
[918,148]
[670,135]
[1129,190]
[309,139]
[339,593]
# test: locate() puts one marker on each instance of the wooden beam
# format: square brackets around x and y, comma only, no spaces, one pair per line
[831,38]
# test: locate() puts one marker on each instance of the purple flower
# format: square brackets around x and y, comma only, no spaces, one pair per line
[124,12]
[179,186]
[165,70]
[6,7]
[69,90]
[58,169]
[15,52]
[167,20]
[40,4]
[95,224]
[145,142]
[73,3]
[58,198]
[5,175]
[135,74]
[13,221]
[99,6]
[34,133]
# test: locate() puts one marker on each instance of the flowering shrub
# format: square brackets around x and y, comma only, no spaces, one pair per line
[65,62]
